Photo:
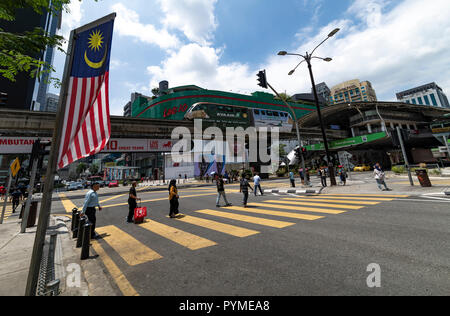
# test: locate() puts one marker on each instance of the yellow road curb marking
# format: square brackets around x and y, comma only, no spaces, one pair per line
[130,249]
[67,203]
[124,285]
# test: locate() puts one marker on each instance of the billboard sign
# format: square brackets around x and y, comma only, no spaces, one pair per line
[24,145]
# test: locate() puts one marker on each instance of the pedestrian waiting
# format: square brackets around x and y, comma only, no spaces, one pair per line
[323,177]
[173,199]
[292,179]
[342,175]
[132,202]
[16,195]
[221,190]
[89,207]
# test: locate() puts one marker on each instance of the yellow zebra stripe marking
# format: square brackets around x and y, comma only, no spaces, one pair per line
[180,237]
[248,219]
[220,227]
[130,249]
[348,207]
[112,198]
[297,207]
[125,287]
[349,198]
[160,199]
[369,195]
[67,203]
[326,200]
[275,213]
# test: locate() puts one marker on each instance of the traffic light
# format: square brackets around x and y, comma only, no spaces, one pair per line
[3,99]
[298,153]
[304,150]
[262,79]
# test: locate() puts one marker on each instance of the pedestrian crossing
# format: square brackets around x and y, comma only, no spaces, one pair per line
[8,212]
[127,248]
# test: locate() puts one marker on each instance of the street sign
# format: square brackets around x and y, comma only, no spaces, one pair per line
[15,167]
[442,149]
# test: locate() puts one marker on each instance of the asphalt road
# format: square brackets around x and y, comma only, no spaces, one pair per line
[318,245]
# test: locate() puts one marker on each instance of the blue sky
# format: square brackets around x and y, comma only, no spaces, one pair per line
[222,44]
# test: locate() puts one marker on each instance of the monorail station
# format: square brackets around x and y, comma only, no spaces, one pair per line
[365,131]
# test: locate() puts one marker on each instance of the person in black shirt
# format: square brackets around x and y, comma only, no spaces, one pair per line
[244,189]
[132,202]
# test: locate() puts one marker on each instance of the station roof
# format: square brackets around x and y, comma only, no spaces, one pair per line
[339,114]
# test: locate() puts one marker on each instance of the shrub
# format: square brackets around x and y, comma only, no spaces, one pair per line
[398,169]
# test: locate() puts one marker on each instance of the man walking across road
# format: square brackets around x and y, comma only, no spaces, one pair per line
[244,189]
[221,190]
[380,177]
[257,183]
[132,202]
[90,203]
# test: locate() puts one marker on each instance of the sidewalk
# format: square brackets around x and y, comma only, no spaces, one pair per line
[77,278]
[400,185]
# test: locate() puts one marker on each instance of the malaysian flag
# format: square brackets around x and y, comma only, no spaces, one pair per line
[87,128]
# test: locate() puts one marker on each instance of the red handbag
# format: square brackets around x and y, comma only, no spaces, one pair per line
[139,214]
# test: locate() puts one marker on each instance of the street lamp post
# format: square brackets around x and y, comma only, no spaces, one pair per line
[308,57]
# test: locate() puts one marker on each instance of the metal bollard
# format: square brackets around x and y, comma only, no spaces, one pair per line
[86,241]
[81,226]
[76,225]
[74,214]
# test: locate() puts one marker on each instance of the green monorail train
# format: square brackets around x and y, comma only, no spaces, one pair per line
[220,108]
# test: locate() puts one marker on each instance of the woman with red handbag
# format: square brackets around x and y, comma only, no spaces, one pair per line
[132,202]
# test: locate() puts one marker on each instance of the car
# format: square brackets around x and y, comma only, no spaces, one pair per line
[113,184]
[362,168]
[72,186]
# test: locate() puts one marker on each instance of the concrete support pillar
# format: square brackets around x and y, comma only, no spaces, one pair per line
[392,125]
[369,128]
[353,132]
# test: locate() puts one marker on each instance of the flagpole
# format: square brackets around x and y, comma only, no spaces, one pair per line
[46,202]
[45,210]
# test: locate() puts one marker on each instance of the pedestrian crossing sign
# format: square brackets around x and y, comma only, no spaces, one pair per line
[15,167]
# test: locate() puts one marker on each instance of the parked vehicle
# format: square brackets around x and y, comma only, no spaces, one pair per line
[72,186]
[362,168]
[113,184]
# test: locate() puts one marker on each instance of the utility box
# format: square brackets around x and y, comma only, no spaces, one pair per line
[422,175]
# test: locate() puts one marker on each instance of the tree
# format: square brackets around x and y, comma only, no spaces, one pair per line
[285,97]
[81,168]
[18,51]
[93,169]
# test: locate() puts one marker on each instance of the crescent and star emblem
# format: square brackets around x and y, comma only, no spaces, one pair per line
[95,44]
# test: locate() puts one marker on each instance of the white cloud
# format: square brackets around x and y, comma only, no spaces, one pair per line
[195,18]
[128,24]
[200,65]
[395,50]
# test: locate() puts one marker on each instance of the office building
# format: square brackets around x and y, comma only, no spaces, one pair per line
[428,94]
[127,109]
[28,93]
[323,91]
[353,91]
